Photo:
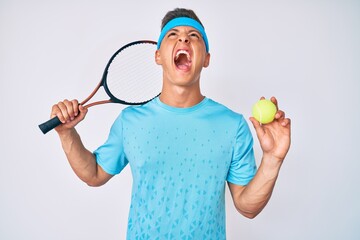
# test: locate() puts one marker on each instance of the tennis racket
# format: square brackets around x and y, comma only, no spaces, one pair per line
[131,77]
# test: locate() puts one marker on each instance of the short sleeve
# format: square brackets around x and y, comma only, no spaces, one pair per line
[242,167]
[110,156]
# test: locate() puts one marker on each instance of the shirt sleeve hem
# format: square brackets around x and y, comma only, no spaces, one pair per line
[105,168]
[241,182]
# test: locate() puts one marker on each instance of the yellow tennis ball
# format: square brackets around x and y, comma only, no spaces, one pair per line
[264,111]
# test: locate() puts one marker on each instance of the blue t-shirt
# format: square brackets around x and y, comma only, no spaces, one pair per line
[180,159]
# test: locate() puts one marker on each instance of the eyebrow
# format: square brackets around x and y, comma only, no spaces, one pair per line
[191,30]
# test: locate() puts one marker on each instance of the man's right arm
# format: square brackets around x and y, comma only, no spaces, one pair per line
[82,161]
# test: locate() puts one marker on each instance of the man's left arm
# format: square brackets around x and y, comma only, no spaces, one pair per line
[275,141]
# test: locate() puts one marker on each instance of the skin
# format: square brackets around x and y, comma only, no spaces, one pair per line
[181,88]
[275,141]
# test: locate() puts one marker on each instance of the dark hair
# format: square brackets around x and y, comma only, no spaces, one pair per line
[179,12]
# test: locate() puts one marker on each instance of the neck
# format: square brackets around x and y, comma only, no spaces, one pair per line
[181,97]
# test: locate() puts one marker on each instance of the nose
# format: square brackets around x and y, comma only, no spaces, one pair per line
[184,38]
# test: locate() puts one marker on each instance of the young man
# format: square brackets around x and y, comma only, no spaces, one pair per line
[182,147]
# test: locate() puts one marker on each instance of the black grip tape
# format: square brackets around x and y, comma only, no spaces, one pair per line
[49,125]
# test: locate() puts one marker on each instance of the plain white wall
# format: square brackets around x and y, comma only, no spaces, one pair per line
[307,53]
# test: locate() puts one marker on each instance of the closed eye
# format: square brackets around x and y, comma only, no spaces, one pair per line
[195,35]
[171,34]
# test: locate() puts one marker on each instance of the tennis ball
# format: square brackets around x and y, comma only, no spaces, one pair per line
[264,111]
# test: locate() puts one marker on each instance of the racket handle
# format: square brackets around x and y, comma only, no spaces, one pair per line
[49,125]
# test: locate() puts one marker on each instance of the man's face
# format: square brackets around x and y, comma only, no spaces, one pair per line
[182,55]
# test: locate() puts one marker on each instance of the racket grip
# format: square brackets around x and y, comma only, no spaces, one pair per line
[49,125]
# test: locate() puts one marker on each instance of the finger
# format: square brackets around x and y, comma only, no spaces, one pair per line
[55,110]
[63,106]
[82,111]
[274,100]
[286,122]
[257,126]
[70,109]
[279,114]
[67,110]
[75,107]
[59,110]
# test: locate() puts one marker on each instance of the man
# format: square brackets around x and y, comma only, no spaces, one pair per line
[182,147]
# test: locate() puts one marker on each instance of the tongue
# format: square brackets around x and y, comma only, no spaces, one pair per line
[182,62]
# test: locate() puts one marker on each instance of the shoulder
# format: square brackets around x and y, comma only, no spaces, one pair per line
[137,112]
[223,111]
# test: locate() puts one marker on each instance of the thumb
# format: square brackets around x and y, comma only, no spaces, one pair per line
[82,112]
[257,126]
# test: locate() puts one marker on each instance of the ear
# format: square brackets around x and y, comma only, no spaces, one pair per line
[207,60]
[158,57]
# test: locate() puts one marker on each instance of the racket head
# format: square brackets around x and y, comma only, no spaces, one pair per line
[132,76]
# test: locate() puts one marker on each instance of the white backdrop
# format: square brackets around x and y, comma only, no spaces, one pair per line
[306,53]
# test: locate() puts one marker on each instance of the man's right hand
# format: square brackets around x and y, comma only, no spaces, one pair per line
[70,113]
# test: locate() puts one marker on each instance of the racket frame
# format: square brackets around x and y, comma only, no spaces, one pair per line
[55,121]
[103,83]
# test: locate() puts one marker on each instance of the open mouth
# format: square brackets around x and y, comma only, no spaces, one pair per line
[182,60]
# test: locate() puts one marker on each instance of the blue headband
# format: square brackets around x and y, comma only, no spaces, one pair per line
[183,21]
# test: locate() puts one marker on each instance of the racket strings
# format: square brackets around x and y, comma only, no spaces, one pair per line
[133,76]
